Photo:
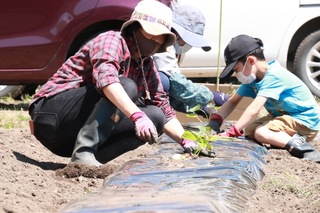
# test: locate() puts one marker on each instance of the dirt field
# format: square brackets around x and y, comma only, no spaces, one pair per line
[32,179]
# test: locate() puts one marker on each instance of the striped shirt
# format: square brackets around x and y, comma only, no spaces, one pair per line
[101,62]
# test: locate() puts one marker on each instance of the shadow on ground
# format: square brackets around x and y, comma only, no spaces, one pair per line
[42,165]
[17,105]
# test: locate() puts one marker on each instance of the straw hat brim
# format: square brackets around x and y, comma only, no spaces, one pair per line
[154,29]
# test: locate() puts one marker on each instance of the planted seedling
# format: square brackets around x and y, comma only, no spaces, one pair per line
[204,138]
[210,107]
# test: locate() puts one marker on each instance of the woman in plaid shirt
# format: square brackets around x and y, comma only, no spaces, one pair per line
[107,99]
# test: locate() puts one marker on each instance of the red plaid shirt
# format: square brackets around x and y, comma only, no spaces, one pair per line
[101,62]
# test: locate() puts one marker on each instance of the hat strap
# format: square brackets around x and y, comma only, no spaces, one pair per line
[145,84]
[140,16]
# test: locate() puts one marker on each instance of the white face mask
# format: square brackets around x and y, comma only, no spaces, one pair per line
[181,49]
[245,79]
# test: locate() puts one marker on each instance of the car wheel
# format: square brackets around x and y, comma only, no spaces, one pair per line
[13,91]
[307,62]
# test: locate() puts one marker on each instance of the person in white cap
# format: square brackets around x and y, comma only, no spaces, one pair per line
[188,25]
[293,119]
[107,99]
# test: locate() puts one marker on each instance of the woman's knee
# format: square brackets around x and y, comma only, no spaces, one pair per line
[156,116]
[130,87]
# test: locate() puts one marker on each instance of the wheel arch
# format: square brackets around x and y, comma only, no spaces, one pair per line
[305,30]
[91,31]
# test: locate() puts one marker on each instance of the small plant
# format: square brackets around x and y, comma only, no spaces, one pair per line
[191,113]
[231,90]
[204,137]
[210,108]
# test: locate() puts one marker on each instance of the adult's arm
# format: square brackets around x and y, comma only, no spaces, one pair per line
[174,129]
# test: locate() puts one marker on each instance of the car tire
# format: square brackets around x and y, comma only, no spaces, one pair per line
[13,91]
[307,62]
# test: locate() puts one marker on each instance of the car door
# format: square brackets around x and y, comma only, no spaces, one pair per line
[25,32]
[32,31]
[267,20]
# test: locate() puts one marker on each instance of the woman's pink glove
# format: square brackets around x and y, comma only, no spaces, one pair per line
[232,132]
[145,129]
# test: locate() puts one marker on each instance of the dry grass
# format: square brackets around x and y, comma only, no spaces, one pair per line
[13,113]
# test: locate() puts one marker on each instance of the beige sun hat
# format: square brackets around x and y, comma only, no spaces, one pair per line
[155,18]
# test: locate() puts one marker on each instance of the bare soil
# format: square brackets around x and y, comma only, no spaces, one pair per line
[32,179]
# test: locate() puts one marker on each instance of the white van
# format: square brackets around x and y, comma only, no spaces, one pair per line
[289,29]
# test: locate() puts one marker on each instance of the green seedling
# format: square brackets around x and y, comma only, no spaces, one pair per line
[202,136]
[192,112]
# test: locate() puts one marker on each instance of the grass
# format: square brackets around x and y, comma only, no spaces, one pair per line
[14,113]
[14,119]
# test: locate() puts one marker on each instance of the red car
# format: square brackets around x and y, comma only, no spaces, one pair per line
[37,36]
